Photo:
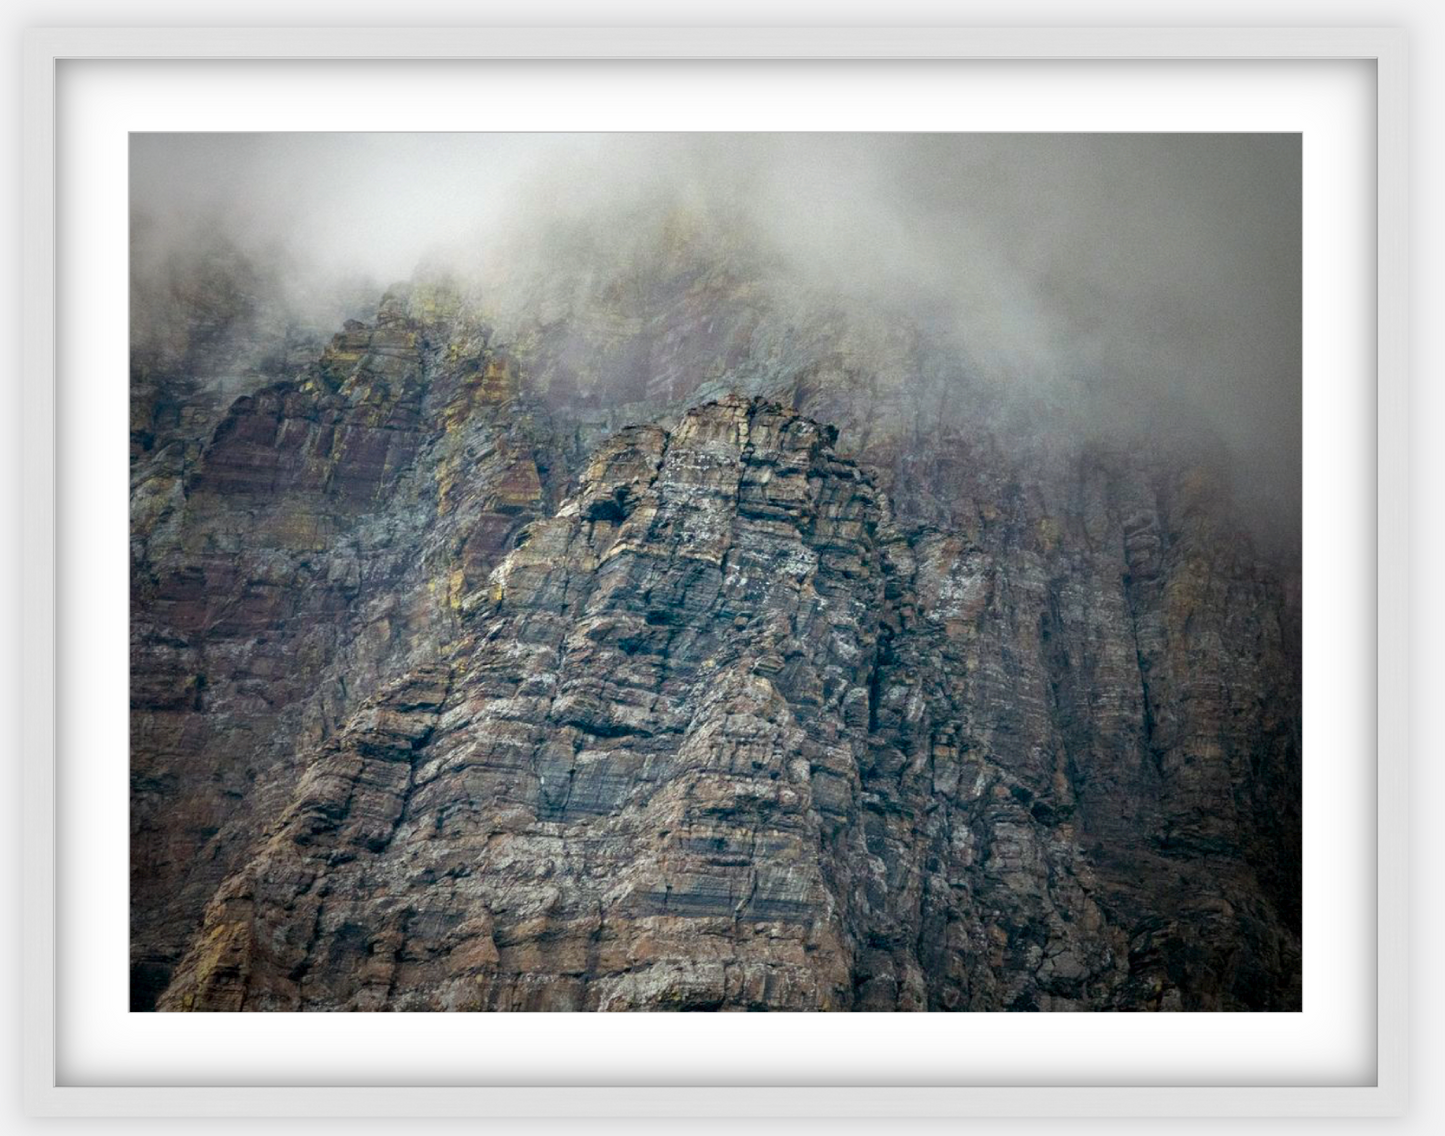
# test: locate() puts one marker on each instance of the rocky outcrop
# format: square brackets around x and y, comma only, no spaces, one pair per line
[442,703]
[312,550]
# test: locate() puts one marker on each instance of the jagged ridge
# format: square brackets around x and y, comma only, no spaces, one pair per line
[720,731]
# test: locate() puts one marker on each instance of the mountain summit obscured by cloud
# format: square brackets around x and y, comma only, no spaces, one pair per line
[1145,282]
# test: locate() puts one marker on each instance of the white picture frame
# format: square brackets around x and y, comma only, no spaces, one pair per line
[46,49]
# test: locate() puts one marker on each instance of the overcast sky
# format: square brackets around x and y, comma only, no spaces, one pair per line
[1139,263]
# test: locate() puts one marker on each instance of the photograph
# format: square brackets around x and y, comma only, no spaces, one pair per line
[715,572]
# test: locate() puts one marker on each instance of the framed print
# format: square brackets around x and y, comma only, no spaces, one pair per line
[896,522]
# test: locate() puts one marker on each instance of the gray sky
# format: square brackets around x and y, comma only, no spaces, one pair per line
[1133,265]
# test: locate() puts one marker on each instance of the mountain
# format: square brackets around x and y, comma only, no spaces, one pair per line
[654,634]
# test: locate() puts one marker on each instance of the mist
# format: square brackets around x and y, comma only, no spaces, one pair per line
[1149,283]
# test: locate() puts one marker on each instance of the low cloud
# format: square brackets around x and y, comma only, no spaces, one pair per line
[1154,280]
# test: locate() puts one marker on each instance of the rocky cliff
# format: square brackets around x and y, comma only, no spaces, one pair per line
[677,650]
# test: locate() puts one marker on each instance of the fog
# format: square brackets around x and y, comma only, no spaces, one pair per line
[1151,279]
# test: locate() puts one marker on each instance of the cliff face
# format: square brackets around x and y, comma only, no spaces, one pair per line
[697,659]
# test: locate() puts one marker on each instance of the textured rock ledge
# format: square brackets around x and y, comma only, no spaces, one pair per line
[712,731]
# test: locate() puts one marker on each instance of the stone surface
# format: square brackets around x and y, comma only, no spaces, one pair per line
[478,677]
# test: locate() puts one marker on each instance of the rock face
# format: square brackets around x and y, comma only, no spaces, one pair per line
[449,694]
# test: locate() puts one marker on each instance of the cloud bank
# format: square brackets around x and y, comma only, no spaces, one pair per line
[1119,271]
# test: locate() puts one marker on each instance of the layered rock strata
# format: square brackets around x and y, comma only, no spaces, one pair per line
[439,702]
